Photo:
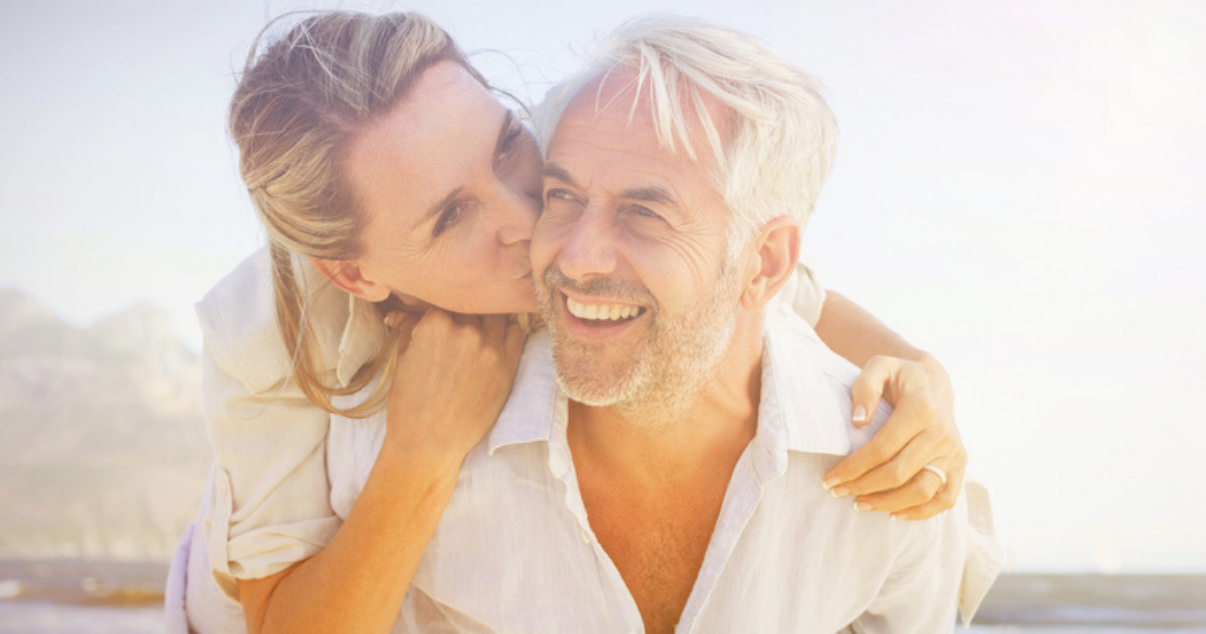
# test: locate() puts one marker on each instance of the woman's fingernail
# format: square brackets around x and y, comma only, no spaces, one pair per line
[862,506]
[839,492]
[860,413]
[830,483]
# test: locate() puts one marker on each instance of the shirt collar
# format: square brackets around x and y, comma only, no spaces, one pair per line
[805,391]
[335,315]
[238,318]
[805,402]
[530,412]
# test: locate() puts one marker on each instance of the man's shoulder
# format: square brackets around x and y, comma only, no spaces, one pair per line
[814,385]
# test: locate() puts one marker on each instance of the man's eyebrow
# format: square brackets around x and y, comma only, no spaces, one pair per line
[553,170]
[647,194]
[655,195]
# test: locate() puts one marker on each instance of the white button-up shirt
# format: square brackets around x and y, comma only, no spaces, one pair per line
[514,551]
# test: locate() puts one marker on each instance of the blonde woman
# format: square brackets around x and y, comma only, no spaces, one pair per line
[395,188]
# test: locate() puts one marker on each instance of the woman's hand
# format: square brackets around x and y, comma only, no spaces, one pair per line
[889,472]
[450,384]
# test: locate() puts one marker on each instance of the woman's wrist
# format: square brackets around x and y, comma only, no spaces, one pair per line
[417,467]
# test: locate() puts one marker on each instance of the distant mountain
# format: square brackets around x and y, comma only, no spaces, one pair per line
[103,452]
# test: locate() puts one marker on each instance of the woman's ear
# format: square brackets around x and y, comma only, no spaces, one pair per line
[776,252]
[347,277]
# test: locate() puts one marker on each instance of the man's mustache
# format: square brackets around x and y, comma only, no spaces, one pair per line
[607,287]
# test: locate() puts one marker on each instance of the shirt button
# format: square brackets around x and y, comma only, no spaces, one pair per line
[585,536]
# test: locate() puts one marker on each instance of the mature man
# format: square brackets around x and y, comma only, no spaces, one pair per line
[665,473]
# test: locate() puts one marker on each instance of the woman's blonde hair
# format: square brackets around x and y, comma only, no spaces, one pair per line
[298,105]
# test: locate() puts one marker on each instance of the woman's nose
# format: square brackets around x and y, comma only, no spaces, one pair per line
[518,214]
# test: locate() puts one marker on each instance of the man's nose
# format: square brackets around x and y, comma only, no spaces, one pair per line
[589,247]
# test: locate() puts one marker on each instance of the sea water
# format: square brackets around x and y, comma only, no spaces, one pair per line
[81,596]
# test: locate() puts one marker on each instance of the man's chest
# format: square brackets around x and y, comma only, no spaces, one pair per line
[657,543]
[526,557]
[515,551]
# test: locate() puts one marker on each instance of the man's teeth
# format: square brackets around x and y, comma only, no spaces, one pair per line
[601,311]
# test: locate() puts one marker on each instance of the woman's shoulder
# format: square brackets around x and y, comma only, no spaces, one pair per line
[239,324]
[238,321]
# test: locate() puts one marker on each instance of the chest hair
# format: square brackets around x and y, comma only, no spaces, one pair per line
[657,542]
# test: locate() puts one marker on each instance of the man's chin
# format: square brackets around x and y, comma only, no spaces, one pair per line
[588,378]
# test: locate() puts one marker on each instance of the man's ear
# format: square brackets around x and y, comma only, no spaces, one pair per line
[347,277]
[776,252]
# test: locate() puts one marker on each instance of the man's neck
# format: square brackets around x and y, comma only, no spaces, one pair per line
[652,445]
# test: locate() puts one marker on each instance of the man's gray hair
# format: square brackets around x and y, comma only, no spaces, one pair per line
[783,135]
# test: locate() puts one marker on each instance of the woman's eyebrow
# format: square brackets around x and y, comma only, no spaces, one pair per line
[507,122]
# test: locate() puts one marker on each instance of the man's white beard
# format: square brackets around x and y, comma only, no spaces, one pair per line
[661,379]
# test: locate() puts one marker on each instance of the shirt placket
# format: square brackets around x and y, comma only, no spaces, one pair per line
[561,464]
[761,463]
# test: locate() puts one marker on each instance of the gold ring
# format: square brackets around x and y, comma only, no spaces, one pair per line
[936,471]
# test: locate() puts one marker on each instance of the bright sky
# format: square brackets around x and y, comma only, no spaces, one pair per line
[1017,190]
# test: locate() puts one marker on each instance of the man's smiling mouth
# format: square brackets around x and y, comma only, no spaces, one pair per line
[602,313]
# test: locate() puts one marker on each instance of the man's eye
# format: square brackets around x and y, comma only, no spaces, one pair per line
[449,217]
[644,212]
[558,194]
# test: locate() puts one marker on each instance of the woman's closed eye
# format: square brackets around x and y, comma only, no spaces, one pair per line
[516,141]
[451,215]
[506,149]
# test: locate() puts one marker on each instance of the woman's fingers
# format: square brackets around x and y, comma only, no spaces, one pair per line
[919,490]
[402,322]
[902,426]
[900,469]
[888,473]
[868,389]
[946,496]
[495,328]
[515,337]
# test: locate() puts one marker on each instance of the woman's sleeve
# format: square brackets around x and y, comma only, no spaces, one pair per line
[269,506]
[804,291]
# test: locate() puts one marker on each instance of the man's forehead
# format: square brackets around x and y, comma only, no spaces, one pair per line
[619,98]
[606,139]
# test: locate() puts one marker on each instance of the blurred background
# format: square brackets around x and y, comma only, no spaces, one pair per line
[1018,190]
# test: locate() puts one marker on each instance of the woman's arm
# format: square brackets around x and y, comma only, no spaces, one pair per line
[888,473]
[448,388]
